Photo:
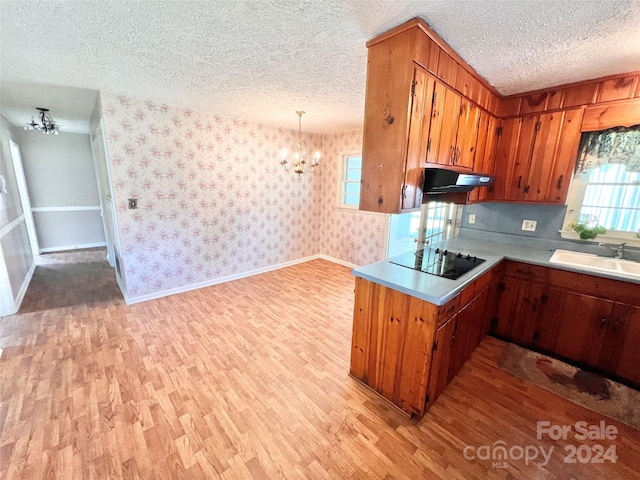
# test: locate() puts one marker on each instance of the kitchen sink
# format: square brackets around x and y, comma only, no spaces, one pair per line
[591,262]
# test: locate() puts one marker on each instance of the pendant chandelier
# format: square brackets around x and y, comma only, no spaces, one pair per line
[46,125]
[299,160]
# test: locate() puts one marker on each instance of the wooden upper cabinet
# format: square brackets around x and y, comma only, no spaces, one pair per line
[485,157]
[445,114]
[421,98]
[387,116]
[453,133]
[507,145]
[565,156]
[535,164]
[467,135]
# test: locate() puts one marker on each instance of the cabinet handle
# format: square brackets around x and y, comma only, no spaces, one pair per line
[603,322]
[519,181]
[559,184]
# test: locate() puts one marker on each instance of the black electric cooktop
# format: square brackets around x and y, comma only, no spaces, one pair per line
[438,262]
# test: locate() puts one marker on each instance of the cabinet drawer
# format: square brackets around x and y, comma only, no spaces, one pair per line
[448,310]
[616,290]
[526,271]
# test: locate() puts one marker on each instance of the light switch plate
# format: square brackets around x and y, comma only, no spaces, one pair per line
[529,225]
[472,218]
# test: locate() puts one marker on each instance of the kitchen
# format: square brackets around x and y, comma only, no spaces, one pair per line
[390,444]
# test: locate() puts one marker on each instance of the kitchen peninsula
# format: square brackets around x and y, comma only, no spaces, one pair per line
[413,331]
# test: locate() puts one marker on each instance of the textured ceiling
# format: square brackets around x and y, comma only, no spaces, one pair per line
[261,60]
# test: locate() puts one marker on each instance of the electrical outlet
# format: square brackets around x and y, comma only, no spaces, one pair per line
[133,203]
[472,218]
[529,225]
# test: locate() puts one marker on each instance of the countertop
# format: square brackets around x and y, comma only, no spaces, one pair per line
[438,290]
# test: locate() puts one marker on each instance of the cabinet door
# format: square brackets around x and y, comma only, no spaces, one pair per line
[620,354]
[468,332]
[565,157]
[441,359]
[516,183]
[518,310]
[538,179]
[467,136]
[421,98]
[447,118]
[485,153]
[507,144]
[435,128]
[575,325]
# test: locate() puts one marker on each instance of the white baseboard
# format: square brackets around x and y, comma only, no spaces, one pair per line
[194,286]
[72,247]
[337,260]
[17,301]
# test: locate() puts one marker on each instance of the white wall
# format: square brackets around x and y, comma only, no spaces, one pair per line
[62,187]
[16,258]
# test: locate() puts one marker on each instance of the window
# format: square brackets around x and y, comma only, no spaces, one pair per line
[349,188]
[612,194]
[606,186]
[410,231]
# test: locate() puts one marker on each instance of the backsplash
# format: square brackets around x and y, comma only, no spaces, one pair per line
[508,217]
[502,222]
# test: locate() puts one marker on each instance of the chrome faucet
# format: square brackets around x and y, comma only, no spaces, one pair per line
[618,252]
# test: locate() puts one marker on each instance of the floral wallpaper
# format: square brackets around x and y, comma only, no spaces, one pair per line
[349,235]
[212,199]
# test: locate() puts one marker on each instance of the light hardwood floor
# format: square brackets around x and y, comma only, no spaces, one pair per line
[246,379]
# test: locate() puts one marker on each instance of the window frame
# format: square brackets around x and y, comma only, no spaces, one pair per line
[575,202]
[342,180]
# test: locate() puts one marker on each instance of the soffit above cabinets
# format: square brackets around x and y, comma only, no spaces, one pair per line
[263,60]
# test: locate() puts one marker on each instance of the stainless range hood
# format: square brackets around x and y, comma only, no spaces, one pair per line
[438,181]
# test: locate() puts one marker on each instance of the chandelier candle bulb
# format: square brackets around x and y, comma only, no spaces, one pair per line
[46,126]
[299,161]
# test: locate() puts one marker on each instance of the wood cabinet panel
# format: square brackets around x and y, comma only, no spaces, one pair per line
[617,88]
[536,102]
[616,290]
[580,95]
[507,145]
[448,119]
[392,342]
[601,117]
[518,310]
[628,360]
[467,135]
[437,112]
[422,94]
[447,68]
[580,326]
[485,161]
[442,359]
[565,159]
[517,182]
[543,156]
[386,118]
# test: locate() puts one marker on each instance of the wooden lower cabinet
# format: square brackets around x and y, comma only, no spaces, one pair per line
[573,325]
[625,341]
[442,359]
[590,321]
[398,348]
[468,332]
[408,350]
[518,309]
[392,344]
